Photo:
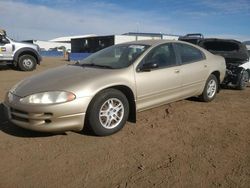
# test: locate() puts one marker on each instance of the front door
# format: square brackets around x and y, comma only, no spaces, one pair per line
[6,49]
[161,83]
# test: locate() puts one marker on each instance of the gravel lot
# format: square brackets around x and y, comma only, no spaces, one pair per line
[183,144]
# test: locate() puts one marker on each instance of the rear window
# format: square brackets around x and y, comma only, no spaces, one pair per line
[189,53]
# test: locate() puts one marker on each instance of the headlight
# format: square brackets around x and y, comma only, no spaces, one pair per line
[52,97]
[10,97]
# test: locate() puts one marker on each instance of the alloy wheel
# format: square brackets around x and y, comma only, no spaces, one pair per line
[111,113]
[211,88]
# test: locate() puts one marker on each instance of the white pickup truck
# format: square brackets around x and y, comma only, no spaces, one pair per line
[23,56]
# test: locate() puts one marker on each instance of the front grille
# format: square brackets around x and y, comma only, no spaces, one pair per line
[34,118]
[19,118]
[17,111]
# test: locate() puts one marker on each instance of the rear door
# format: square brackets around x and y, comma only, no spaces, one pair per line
[193,68]
[161,84]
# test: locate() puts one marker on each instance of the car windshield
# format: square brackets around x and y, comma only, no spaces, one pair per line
[115,57]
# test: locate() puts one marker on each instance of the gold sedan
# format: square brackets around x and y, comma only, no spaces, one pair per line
[109,87]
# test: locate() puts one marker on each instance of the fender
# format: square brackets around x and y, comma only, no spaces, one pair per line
[27,50]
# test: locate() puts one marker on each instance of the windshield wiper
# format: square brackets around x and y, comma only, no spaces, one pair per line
[96,65]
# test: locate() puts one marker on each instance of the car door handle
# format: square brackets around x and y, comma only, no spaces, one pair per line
[176,71]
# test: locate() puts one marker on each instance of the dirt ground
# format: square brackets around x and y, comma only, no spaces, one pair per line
[183,144]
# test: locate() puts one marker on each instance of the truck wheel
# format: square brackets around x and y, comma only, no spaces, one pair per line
[210,89]
[244,79]
[27,63]
[108,112]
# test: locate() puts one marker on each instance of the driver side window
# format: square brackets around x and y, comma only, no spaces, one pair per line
[3,40]
[162,55]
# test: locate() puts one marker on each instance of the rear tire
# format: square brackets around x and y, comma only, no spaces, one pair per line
[27,63]
[108,112]
[210,89]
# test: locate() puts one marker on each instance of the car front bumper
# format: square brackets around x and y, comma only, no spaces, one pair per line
[62,117]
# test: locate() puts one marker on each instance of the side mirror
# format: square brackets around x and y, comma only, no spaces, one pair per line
[147,67]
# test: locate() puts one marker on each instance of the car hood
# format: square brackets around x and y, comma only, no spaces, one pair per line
[25,44]
[79,80]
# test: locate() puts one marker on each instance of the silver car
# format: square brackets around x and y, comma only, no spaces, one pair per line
[109,87]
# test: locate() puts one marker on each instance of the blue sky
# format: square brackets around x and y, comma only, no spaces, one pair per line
[47,19]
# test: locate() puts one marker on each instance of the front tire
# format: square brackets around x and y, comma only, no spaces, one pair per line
[108,112]
[210,89]
[27,63]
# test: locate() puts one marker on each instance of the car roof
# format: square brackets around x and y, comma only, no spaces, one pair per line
[152,42]
[156,42]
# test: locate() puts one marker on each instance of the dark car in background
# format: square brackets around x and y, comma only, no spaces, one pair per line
[247,43]
[235,54]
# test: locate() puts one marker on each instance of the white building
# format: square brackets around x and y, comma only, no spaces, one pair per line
[58,43]
[83,46]
[67,39]
[47,45]
[95,43]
